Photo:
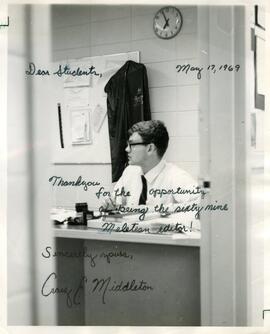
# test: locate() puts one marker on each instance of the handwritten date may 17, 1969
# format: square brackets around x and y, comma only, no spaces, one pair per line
[186,68]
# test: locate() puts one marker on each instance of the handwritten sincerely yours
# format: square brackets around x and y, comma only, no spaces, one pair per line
[84,253]
[102,286]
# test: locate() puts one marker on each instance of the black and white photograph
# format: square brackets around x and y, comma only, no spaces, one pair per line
[135,145]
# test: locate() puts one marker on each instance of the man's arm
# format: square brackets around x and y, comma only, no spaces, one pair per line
[186,196]
[112,201]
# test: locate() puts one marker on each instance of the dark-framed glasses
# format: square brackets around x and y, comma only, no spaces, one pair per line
[130,144]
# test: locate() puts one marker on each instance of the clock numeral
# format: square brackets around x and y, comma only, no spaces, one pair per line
[171,32]
[167,9]
[157,17]
[175,27]
[166,35]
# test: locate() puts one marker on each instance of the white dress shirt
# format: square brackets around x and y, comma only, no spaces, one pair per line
[164,177]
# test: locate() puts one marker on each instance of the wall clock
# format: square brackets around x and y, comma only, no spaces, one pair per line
[167,22]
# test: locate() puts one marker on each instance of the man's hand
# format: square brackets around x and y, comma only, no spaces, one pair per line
[108,204]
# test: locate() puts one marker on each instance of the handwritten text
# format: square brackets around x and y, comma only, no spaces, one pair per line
[60,182]
[186,68]
[63,70]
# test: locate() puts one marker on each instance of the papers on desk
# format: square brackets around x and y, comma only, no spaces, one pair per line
[95,223]
[131,217]
[61,214]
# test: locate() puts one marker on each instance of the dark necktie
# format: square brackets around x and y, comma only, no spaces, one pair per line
[143,196]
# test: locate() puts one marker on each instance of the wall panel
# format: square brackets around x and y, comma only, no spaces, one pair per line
[173,96]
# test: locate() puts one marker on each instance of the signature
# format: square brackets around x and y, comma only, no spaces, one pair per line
[104,285]
[99,286]
[72,294]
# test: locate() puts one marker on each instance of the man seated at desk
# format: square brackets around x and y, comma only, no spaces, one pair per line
[149,179]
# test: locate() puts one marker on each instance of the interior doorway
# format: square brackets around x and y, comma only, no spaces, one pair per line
[227,273]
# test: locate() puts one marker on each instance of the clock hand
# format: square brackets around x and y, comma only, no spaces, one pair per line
[166,23]
[166,20]
[164,16]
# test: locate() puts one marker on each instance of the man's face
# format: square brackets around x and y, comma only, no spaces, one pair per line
[136,153]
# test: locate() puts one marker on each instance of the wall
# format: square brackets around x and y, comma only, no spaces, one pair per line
[256,210]
[266,233]
[81,31]
[28,228]
[19,250]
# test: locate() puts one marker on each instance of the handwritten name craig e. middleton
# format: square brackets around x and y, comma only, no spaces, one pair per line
[103,286]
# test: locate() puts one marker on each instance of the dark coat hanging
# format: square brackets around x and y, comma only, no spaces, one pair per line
[127,104]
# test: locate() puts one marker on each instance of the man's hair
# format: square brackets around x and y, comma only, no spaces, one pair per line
[152,132]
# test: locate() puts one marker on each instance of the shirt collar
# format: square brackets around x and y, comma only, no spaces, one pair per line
[154,172]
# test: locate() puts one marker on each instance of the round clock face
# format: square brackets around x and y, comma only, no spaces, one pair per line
[167,22]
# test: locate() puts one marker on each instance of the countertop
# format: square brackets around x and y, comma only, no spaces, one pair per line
[83,232]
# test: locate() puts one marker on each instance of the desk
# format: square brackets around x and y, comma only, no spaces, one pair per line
[168,266]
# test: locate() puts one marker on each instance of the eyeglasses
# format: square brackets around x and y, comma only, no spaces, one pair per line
[129,144]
